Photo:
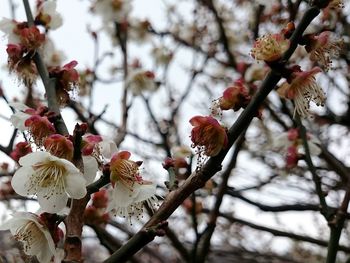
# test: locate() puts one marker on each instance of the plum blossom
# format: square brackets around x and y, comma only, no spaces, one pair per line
[112,10]
[127,202]
[52,179]
[62,147]
[33,121]
[52,57]
[67,78]
[235,97]
[270,47]
[162,55]
[124,170]
[208,135]
[141,80]
[48,16]
[323,47]
[291,145]
[336,4]
[21,149]
[7,26]
[130,191]
[29,229]
[303,89]
[138,30]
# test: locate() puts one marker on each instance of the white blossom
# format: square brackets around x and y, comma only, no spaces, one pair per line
[7,26]
[112,10]
[52,179]
[36,238]
[127,202]
[49,8]
[139,81]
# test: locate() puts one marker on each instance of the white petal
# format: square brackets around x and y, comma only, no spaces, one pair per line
[146,191]
[314,149]
[90,168]
[108,148]
[18,119]
[13,224]
[21,181]
[280,141]
[6,25]
[45,254]
[121,197]
[54,204]
[18,106]
[75,185]
[48,237]
[33,158]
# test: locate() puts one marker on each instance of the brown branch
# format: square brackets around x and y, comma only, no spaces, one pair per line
[279,233]
[49,83]
[204,245]
[223,35]
[325,211]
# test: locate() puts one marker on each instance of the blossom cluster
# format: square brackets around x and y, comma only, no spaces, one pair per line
[301,86]
[47,170]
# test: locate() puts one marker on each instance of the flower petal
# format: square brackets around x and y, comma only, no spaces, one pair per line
[33,158]
[145,192]
[18,119]
[120,197]
[53,204]
[75,185]
[107,148]
[21,181]
[45,254]
[90,168]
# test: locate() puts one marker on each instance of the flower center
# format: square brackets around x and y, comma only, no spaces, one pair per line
[125,171]
[30,235]
[50,175]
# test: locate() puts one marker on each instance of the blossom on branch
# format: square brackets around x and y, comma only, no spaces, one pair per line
[235,97]
[270,47]
[291,145]
[52,179]
[59,146]
[208,135]
[34,121]
[21,149]
[130,191]
[112,10]
[141,80]
[67,78]
[30,230]
[302,89]
[47,15]
[127,202]
[336,4]
[323,47]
